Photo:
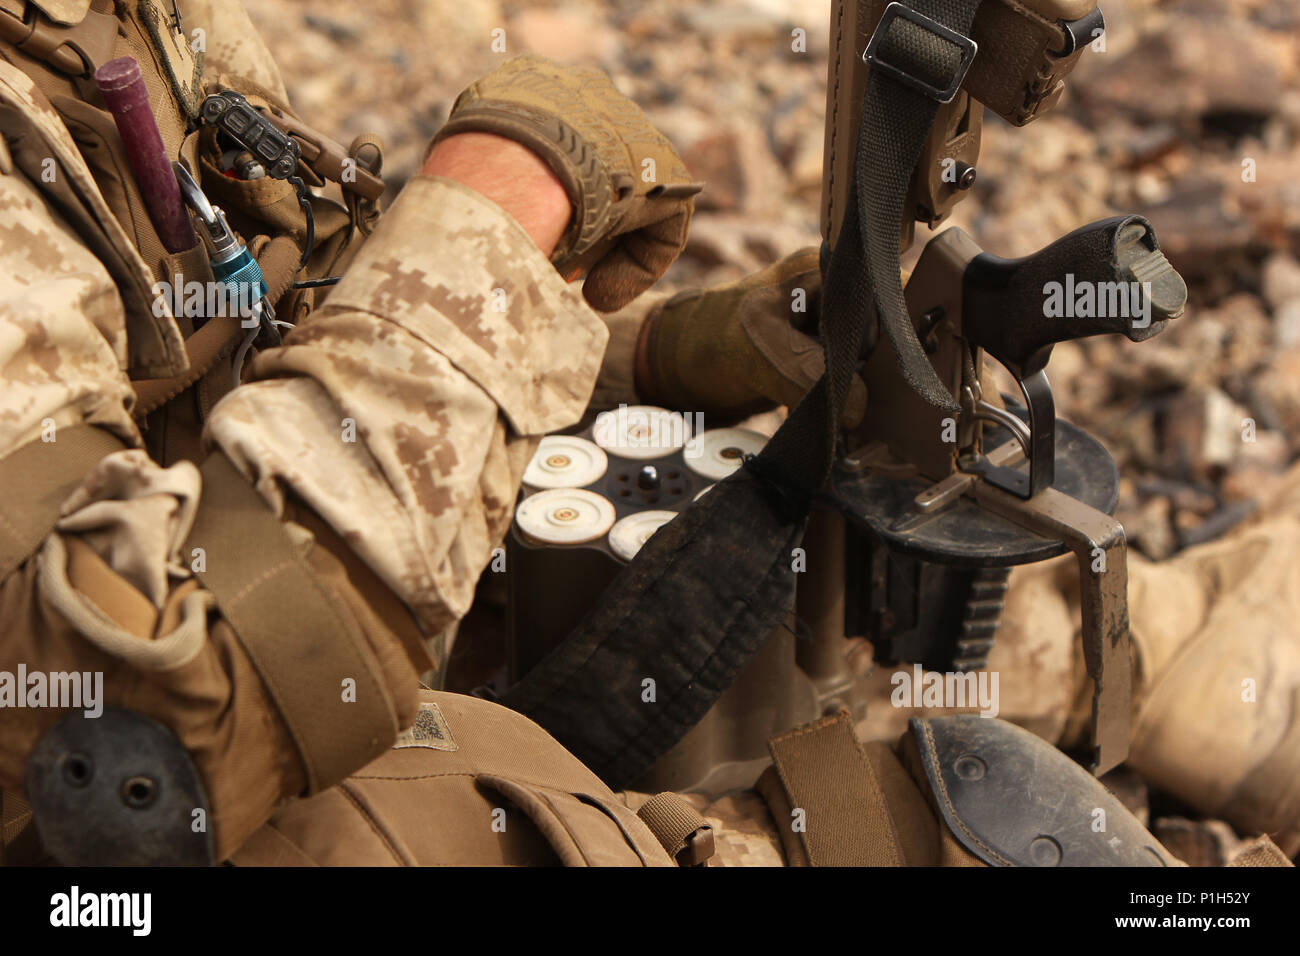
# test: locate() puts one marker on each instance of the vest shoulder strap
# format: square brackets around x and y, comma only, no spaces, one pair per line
[305,645]
[826,798]
[37,477]
[75,47]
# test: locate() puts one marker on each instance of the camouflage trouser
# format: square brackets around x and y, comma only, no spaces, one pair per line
[1216,647]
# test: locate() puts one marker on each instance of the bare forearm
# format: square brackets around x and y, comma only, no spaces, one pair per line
[509,174]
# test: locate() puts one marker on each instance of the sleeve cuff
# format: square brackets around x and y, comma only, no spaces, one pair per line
[458,272]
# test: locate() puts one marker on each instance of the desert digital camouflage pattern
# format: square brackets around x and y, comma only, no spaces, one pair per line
[744,833]
[148,344]
[448,354]
[62,331]
[403,413]
[423,346]
[631,192]
[233,45]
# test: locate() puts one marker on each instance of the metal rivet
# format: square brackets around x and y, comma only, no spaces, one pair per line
[1045,851]
[78,769]
[139,792]
[970,767]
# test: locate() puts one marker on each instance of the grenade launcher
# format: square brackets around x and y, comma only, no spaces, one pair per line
[946,486]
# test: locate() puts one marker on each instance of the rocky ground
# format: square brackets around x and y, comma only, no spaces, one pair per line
[1197,128]
[1190,116]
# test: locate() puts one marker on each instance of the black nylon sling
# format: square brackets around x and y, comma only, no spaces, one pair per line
[706,591]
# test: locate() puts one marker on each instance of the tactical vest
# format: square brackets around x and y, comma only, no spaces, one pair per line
[58,44]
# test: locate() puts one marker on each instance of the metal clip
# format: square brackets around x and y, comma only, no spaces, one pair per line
[234,266]
[967,46]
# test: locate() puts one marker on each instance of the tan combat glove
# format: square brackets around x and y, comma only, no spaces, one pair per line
[740,348]
[630,191]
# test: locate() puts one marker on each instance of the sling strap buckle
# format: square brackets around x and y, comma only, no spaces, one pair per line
[940,94]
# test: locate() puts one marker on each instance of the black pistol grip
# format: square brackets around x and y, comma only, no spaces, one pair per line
[1109,276]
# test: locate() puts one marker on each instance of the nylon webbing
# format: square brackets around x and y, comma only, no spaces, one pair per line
[302,640]
[672,820]
[269,847]
[279,264]
[896,120]
[706,592]
[1261,852]
[15,818]
[36,479]
[827,776]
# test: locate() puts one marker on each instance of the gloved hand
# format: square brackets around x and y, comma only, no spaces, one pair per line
[631,194]
[740,348]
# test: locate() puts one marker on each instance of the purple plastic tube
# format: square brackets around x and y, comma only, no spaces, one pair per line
[124,93]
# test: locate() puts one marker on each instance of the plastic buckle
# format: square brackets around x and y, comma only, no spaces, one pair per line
[698,849]
[967,46]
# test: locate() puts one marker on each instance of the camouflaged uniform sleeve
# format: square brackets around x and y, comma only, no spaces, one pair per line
[405,411]
[62,328]
[231,43]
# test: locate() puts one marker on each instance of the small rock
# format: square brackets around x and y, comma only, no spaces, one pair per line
[1197,842]
[1201,429]
[1248,331]
[722,248]
[715,160]
[763,20]
[450,23]
[1280,279]
[1224,420]
[1198,230]
[570,35]
[1281,15]
[1194,500]
[1152,530]
[1131,790]
[1194,530]
[1189,69]
[1251,482]
[1279,386]
[1288,325]
[1268,450]
[1136,146]
[1151,189]
[738,170]
[336,30]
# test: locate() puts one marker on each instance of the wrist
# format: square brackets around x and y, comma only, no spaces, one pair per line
[510,175]
[643,376]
